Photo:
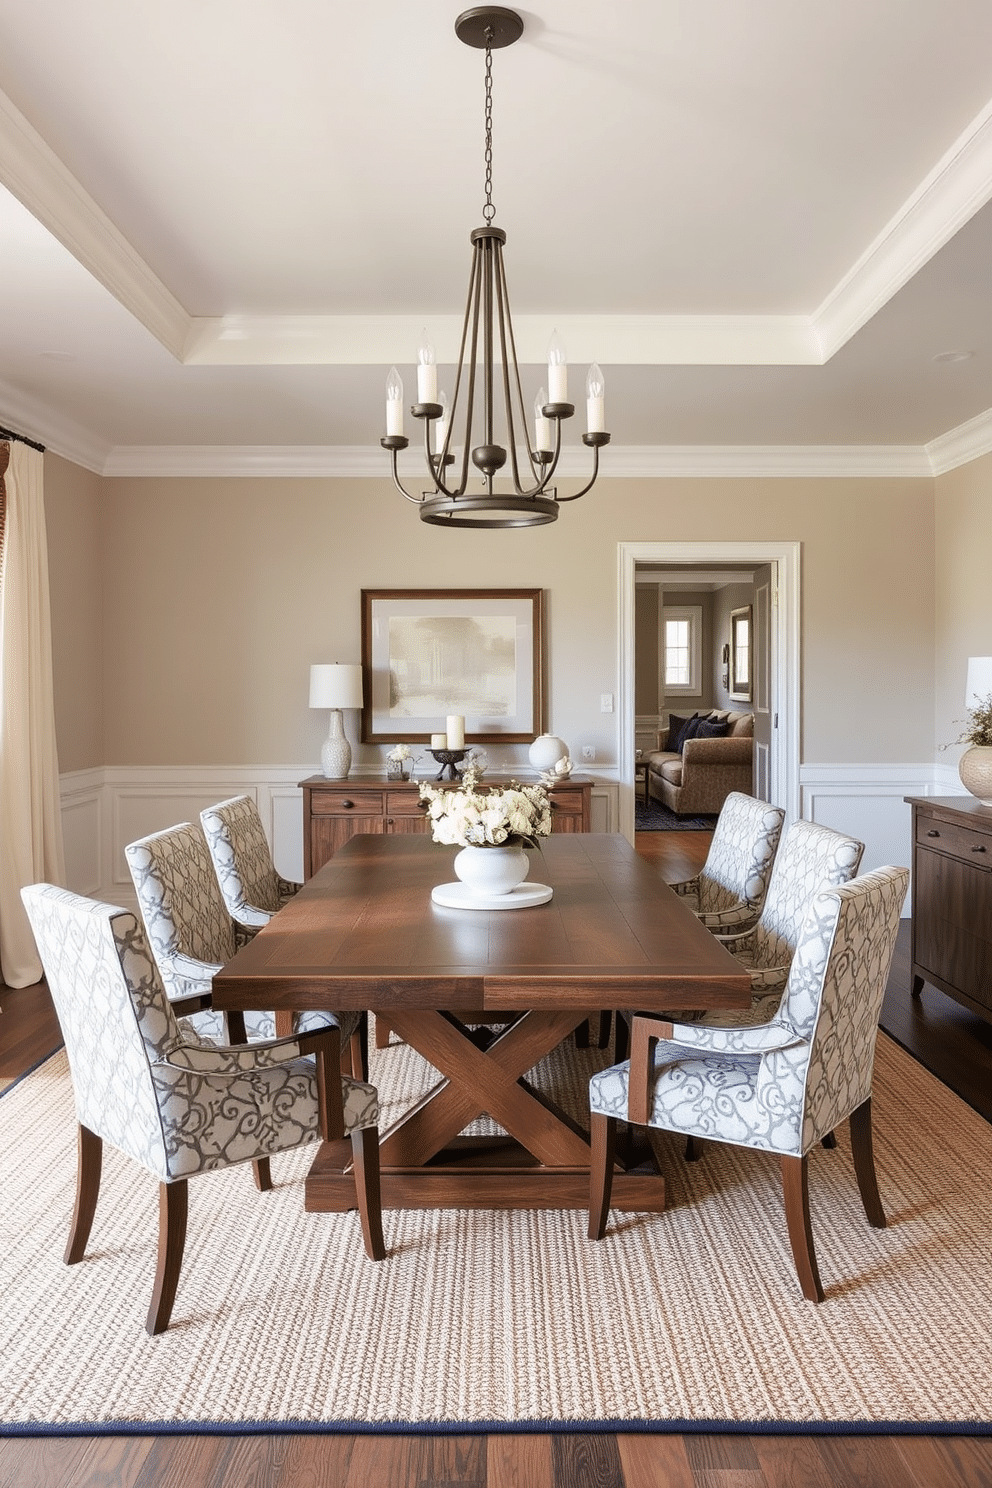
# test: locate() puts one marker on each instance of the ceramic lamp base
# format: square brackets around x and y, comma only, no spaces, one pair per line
[975,769]
[335,754]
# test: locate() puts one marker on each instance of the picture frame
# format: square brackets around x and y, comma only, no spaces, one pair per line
[741,638]
[430,653]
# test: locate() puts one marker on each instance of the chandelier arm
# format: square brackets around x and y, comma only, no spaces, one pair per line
[502,309]
[469,319]
[592,478]
[394,453]
[541,480]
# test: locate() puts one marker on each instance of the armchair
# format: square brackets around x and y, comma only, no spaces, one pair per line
[252,889]
[779,1086]
[172,1100]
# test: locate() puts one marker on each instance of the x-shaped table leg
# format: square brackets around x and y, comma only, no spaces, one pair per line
[480,1082]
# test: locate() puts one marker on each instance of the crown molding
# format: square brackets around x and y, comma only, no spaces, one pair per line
[38,422]
[969,441]
[36,176]
[957,187]
[634,462]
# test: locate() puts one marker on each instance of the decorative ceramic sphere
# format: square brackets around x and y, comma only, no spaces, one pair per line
[546,751]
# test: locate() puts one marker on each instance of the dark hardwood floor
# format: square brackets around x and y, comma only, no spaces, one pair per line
[943,1036]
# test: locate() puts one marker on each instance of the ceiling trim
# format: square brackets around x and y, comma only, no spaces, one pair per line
[357,462]
[958,185]
[960,446]
[58,434]
[36,176]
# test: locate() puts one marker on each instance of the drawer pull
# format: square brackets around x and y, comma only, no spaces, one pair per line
[979,849]
[347,805]
[933,834]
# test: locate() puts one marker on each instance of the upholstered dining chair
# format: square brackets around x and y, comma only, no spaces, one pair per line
[253,891]
[778,1086]
[192,935]
[729,890]
[810,857]
[177,1103]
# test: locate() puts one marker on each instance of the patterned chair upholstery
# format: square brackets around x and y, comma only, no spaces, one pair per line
[177,1103]
[253,891]
[728,892]
[192,935]
[810,858]
[779,1086]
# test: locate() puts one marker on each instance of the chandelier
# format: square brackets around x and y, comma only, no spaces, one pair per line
[487,376]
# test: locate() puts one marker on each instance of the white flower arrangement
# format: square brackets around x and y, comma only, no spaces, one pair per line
[400,753]
[504,816]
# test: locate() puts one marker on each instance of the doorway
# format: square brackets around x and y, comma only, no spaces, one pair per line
[783,662]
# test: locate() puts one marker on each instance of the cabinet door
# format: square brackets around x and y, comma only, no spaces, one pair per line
[952,923]
[328,833]
[566,810]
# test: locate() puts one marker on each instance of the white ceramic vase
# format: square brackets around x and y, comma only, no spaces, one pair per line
[975,769]
[546,751]
[491,871]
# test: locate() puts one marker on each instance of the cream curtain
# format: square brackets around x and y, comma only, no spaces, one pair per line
[30,816]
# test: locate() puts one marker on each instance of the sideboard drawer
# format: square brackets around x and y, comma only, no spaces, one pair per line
[405,803]
[345,803]
[956,840]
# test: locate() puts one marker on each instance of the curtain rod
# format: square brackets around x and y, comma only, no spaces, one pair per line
[22,438]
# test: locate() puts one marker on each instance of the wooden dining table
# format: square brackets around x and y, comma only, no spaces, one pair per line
[483,995]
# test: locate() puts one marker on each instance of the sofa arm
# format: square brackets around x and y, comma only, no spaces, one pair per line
[707,752]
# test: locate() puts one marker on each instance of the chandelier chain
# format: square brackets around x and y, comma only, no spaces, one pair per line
[489,211]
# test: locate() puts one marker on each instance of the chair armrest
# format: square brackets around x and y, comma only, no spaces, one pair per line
[723,921]
[236,1061]
[647,1032]
[192,970]
[287,887]
[686,886]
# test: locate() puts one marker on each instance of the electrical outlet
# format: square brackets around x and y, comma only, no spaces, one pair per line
[588,751]
[606,702]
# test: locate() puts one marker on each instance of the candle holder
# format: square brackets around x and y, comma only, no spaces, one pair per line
[447,759]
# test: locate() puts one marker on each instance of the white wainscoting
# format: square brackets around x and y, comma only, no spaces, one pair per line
[867,802]
[104,809]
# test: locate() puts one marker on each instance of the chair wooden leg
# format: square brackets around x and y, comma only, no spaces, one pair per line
[864,1164]
[173,1205]
[365,1152]
[262,1169]
[692,1152]
[382,1032]
[603,1139]
[621,1038]
[359,1050]
[795,1189]
[830,1140]
[89,1159]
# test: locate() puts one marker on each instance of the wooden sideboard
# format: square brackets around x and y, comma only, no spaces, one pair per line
[952,899]
[335,810]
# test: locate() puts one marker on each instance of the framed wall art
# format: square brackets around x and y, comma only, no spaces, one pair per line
[430,653]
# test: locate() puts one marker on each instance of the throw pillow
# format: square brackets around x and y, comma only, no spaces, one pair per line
[691,730]
[713,728]
[677,724]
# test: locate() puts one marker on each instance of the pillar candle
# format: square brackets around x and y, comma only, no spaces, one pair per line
[456,731]
[439,741]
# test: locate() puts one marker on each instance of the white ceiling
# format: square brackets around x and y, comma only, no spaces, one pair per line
[224,219]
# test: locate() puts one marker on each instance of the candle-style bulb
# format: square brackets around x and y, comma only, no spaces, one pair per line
[557,370]
[595,400]
[542,426]
[426,370]
[441,427]
[394,402]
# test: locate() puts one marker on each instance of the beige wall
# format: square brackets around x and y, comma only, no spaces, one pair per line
[963,589]
[76,581]
[218,594]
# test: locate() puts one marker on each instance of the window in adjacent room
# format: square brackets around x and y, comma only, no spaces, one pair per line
[681,648]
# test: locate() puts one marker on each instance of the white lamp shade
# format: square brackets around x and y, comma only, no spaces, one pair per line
[336,685]
[979,684]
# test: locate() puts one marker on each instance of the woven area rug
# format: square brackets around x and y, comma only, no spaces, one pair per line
[688,1320]
[656,817]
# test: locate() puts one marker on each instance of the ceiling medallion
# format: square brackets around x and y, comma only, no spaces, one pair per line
[487,355]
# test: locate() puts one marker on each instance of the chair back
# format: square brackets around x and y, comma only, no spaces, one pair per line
[113,1012]
[739,862]
[180,900]
[241,857]
[811,857]
[832,1000]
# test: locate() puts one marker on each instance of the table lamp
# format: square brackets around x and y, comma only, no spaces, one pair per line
[336,685]
[979,684]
